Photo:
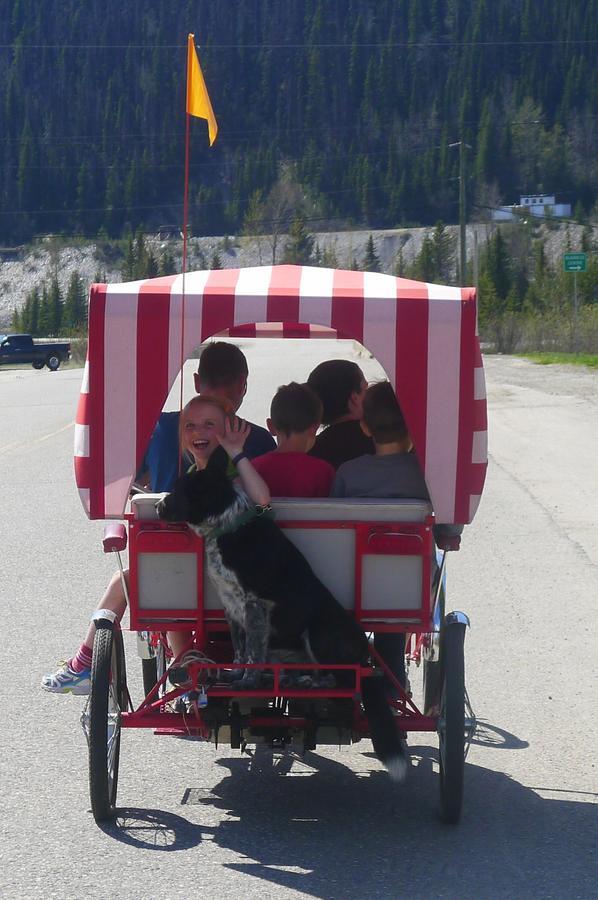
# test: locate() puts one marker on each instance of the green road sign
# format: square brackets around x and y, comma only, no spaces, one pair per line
[575,262]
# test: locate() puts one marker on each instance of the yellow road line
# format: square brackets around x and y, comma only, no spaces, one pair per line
[39,440]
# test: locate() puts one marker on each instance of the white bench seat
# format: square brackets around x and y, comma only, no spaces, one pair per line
[389,582]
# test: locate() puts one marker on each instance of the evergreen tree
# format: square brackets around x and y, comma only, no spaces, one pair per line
[34,313]
[488,302]
[129,267]
[113,216]
[444,254]
[399,266]
[85,199]
[54,307]
[140,256]
[26,314]
[484,162]
[367,127]
[424,264]
[74,313]
[495,263]
[579,213]
[152,268]
[15,321]
[45,314]
[371,261]
[167,264]
[328,258]
[215,262]
[299,247]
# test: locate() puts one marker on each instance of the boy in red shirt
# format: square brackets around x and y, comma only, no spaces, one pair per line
[295,416]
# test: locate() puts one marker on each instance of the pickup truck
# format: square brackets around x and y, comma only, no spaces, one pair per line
[20,348]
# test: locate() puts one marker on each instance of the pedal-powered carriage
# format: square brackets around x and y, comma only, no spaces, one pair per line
[376,556]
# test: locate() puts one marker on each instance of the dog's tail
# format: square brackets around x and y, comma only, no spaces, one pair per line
[388,746]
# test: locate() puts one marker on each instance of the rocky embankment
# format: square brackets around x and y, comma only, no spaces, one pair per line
[24,268]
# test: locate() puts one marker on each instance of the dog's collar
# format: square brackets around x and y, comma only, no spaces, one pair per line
[254,512]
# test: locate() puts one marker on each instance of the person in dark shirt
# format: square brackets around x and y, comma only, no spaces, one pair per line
[340,385]
[289,471]
[222,373]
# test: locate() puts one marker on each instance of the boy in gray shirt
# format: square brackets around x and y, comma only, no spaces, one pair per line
[393,472]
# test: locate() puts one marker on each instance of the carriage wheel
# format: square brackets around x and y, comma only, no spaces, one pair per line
[153,669]
[451,723]
[149,669]
[107,701]
[432,686]
[432,669]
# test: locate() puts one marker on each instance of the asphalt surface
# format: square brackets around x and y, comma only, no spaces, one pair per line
[195,821]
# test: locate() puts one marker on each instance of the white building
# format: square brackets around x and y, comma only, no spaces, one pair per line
[534,205]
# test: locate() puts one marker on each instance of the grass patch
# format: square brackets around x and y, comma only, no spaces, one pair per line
[569,359]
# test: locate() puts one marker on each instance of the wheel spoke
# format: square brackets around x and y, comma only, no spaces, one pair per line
[85,720]
[112,743]
[112,731]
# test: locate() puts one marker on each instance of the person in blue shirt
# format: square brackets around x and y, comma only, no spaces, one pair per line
[222,373]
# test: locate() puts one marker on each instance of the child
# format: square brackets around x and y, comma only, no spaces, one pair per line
[222,373]
[392,472]
[212,437]
[295,416]
[341,386]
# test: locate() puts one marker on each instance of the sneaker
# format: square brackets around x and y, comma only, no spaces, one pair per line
[398,766]
[65,681]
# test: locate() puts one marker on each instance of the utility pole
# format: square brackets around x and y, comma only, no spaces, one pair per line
[462,212]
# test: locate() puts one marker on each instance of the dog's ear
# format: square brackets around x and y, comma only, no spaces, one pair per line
[198,496]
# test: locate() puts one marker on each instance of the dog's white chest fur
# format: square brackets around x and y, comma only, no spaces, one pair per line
[247,614]
[234,598]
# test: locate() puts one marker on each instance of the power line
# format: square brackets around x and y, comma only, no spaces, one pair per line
[216,202]
[343,45]
[218,165]
[241,135]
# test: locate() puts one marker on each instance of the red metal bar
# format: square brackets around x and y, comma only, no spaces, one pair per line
[185,723]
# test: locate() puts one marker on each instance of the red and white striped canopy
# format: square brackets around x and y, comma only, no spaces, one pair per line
[424,336]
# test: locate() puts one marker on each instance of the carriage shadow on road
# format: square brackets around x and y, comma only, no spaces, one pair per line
[487,735]
[333,832]
[153,829]
[328,831]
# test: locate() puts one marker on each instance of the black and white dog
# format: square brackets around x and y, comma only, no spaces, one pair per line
[269,591]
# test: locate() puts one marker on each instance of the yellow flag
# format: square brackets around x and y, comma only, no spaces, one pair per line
[198,100]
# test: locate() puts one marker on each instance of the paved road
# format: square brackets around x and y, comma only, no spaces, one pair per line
[201,822]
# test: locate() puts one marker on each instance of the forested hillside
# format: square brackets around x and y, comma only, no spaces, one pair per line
[357,99]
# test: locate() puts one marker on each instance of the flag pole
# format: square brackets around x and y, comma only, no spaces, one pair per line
[197,103]
[186,195]
[185,227]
